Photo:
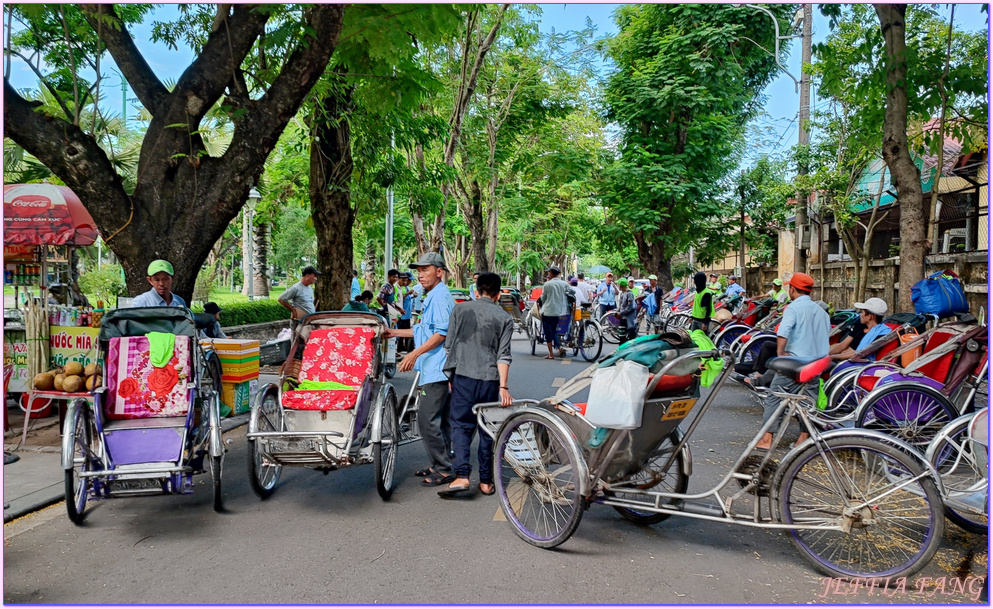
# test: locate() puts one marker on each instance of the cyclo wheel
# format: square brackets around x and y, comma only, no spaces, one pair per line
[894,536]
[592,341]
[652,478]
[953,457]
[263,474]
[216,451]
[611,329]
[79,431]
[384,453]
[914,413]
[538,481]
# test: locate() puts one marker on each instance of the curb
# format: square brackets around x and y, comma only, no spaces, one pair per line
[55,493]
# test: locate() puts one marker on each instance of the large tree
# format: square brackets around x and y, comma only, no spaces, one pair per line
[184,197]
[687,79]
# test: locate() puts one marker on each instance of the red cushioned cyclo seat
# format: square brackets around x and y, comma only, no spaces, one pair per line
[344,355]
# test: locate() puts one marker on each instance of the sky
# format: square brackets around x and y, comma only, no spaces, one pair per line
[782,98]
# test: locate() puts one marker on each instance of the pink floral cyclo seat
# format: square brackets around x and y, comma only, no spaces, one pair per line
[138,390]
[342,355]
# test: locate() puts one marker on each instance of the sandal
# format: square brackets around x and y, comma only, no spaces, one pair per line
[454,491]
[549,357]
[423,473]
[436,479]
[489,484]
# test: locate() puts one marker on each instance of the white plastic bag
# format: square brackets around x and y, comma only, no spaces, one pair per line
[617,396]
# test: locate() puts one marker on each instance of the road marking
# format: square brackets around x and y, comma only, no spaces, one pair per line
[566,362]
[558,382]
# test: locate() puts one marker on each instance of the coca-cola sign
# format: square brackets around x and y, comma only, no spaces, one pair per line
[40,214]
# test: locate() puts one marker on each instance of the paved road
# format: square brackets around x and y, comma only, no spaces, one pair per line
[330,539]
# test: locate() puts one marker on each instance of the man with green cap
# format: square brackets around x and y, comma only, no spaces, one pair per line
[160,278]
[778,292]
[627,309]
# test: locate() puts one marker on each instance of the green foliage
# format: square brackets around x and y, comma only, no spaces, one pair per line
[103,283]
[687,80]
[254,312]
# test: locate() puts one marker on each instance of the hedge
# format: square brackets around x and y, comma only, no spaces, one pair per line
[255,312]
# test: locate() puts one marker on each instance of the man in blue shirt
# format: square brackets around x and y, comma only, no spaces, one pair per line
[356,288]
[802,333]
[607,295]
[733,287]
[159,276]
[428,358]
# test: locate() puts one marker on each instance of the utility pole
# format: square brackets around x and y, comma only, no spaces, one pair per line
[803,139]
[741,191]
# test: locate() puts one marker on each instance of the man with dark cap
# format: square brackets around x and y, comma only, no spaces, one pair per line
[428,358]
[210,320]
[554,304]
[703,303]
[803,332]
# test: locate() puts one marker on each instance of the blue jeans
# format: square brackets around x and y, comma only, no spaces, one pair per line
[549,327]
[466,393]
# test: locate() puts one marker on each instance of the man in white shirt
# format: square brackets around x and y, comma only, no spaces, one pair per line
[159,276]
[582,290]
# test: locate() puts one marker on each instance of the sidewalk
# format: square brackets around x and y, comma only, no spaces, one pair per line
[37,480]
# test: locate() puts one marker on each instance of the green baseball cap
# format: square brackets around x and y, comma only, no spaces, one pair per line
[158,266]
[777,281]
[622,282]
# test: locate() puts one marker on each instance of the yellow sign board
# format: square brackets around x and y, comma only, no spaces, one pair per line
[678,409]
[72,344]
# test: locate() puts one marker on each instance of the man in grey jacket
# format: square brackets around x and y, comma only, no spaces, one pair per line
[478,362]
[554,304]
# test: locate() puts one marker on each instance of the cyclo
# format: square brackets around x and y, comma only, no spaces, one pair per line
[332,407]
[856,503]
[576,330]
[154,422]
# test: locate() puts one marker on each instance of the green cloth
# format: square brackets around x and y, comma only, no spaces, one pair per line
[646,350]
[356,305]
[711,366]
[160,347]
[822,400]
[324,386]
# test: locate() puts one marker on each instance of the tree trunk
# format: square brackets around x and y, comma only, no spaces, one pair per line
[654,258]
[184,198]
[261,250]
[330,198]
[904,175]
[371,284]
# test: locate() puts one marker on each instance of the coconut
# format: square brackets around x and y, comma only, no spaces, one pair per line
[92,369]
[92,382]
[44,381]
[74,369]
[72,383]
[57,382]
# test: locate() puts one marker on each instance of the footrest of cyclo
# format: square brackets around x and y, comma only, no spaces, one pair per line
[491,415]
[310,438]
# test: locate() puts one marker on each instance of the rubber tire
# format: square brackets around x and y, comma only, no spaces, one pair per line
[682,483]
[216,462]
[261,491]
[534,345]
[571,447]
[918,441]
[390,370]
[384,460]
[959,429]
[75,506]
[599,343]
[788,471]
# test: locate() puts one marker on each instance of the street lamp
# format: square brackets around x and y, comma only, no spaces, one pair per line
[253,199]
[797,20]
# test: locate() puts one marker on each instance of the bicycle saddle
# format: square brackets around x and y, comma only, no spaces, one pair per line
[800,369]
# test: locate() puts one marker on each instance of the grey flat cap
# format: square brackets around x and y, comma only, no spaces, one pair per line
[430,259]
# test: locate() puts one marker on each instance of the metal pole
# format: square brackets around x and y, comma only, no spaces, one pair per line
[251,254]
[803,139]
[99,253]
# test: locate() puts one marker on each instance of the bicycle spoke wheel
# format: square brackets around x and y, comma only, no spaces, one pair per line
[384,453]
[912,413]
[538,482]
[652,478]
[263,473]
[80,434]
[963,474]
[592,341]
[879,509]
